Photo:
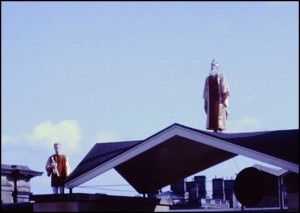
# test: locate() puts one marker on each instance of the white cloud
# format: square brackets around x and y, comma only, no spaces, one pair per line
[67,132]
[39,142]
[41,139]
[8,140]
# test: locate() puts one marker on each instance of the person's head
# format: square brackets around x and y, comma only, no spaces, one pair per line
[57,148]
[214,64]
[214,70]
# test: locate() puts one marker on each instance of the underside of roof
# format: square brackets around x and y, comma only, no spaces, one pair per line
[179,151]
[168,162]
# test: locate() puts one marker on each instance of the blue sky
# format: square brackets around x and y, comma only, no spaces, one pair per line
[87,72]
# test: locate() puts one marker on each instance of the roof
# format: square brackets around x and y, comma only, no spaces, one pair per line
[100,154]
[272,171]
[19,170]
[179,151]
[168,195]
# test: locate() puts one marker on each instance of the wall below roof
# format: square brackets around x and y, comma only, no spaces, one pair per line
[79,202]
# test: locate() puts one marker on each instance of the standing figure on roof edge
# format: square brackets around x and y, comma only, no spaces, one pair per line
[58,167]
[216,93]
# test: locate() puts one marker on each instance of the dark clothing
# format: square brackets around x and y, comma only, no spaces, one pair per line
[214,103]
[62,164]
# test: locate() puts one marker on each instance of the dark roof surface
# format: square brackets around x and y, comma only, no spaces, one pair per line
[278,143]
[179,151]
[170,161]
[19,170]
[99,154]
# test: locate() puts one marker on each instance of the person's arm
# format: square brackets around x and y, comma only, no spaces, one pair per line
[225,91]
[225,99]
[205,95]
[48,167]
[68,167]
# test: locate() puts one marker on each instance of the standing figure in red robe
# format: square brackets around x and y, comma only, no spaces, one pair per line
[58,167]
[216,93]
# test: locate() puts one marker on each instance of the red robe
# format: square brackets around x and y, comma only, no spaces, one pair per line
[215,96]
[63,169]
